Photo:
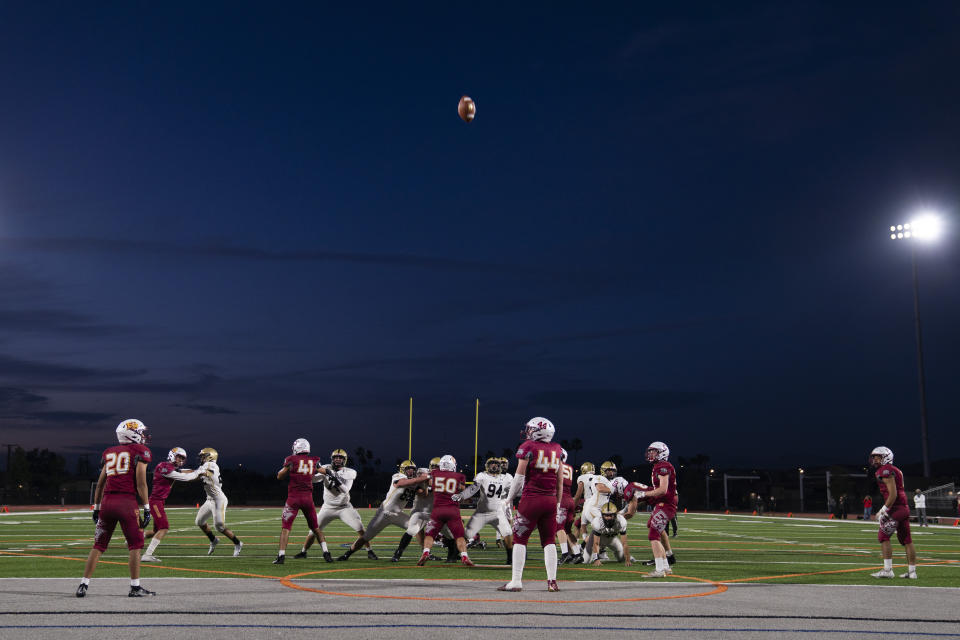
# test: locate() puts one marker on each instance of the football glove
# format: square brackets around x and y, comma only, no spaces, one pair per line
[96,516]
[333,481]
[882,512]
[145,517]
[456,497]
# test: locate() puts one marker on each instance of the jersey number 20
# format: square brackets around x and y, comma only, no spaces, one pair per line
[118,464]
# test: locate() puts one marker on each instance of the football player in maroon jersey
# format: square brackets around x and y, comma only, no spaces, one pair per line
[663,496]
[539,481]
[121,485]
[894,515]
[566,515]
[300,467]
[164,475]
[445,483]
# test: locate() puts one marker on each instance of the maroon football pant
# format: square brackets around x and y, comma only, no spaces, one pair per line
[125,510]
[449,516]
[297,503]
[538,512]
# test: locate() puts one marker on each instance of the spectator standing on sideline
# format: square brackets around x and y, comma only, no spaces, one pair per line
[920,504]
[842,507]
[867,507]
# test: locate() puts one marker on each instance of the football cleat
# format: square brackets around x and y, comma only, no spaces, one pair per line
[279,559]
[649,563]
[552,585]
[434,556]
[566,558]
[423,558]
[213,545]
[236,549]
[883,573]
[371,555]
[139,592]
[578,559]
[910,575]
[326,556]
[81,590]
[466,561]
[655,574]
[508,587]
[343,558]
[396,557]
[300,556]
[603,556]
[149,558]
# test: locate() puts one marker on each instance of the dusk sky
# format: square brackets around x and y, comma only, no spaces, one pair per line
[246,223]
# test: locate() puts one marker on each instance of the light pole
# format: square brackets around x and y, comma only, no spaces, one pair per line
[925,227]
[801,490]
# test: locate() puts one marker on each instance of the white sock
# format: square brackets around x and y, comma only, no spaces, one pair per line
[323,545]
[669,553]
[426,549]
[153,546]
[85,581]
[519,559]
[564,548]
[135,583]
[576,549]
[660,562]
[463,554]
[912,568]
[550,561]
[888,563]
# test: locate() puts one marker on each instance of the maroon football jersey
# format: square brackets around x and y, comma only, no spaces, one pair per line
[120,462]
[567,480]
[302,467]
[445,484]
[161,483]
[662,468]
[544,458]
[887,471]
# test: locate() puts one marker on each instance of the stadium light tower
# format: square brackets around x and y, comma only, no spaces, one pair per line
[926,226]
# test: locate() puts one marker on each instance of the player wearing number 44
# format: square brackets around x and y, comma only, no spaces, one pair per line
[539,481]
[121,485]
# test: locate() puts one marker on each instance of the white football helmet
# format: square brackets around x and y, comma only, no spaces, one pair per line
[563,454]
[173,453]
[448,463]
[662,451]
[301,445]
[619,484]
[132,430]
[539,429]
[886,453]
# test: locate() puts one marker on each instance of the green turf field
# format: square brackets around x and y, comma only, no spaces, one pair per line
[711,547]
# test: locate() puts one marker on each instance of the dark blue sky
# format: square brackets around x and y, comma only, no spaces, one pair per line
[245,224]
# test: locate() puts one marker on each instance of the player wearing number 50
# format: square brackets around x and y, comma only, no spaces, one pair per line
[299,468]
[446,483]
[121,485]
[539,481]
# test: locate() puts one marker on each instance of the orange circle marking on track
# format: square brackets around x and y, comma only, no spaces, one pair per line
[287,581]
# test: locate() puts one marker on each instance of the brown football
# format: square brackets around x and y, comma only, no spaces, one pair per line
[467,109]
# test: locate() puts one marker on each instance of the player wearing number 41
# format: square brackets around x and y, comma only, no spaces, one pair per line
[164,475]
[493,488]
[300,468]
[215,505]
[121,485]
[446,483]
[539,481]
[894,515]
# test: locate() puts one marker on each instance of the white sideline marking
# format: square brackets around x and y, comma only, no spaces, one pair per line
[819,526]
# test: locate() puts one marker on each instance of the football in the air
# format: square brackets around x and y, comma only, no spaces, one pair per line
[467,109]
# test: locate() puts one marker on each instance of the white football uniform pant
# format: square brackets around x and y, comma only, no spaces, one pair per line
[496,519]
[613,542]
[418,520]
[216,509]
[346,512]
[589,515]
[381,519]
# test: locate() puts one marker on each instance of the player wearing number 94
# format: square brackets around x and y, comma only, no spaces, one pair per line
[121,485]
[539,481]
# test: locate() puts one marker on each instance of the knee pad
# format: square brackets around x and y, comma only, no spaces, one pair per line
[221,527]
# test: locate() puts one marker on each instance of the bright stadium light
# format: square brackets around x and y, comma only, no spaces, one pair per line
[926,226]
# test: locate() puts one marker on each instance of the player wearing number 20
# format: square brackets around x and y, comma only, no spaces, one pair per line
[539,481]
[121,485]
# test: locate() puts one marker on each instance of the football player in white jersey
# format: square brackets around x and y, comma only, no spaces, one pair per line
[491,505]
[609,530]
[595,490]
[390,511]
[508,478]
[216,504]
[420,512]
[336,504]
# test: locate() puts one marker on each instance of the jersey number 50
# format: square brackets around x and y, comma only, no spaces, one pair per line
[445,485]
